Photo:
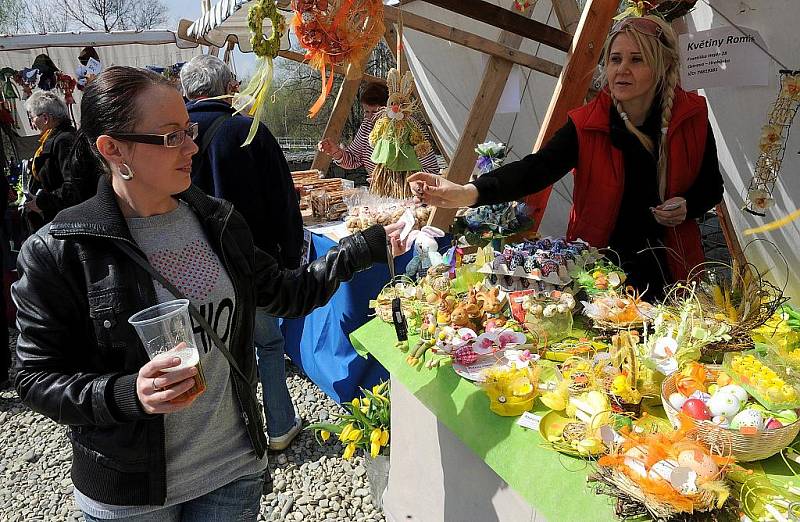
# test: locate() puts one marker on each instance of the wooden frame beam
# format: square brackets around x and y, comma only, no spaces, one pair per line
[473,41]
[508,20]
[573,84]
[480,117]
[568,14]
[341,109]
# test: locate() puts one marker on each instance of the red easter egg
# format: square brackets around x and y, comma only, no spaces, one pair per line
[774,424]
[696,409]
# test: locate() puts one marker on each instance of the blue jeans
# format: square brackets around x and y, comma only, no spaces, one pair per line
[269,343]
[239,501]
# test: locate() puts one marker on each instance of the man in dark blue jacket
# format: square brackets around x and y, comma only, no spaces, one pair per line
[256,179]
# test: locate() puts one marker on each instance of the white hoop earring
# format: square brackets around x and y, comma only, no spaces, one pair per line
[129,175]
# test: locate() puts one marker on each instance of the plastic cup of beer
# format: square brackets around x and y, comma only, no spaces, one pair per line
[166,331]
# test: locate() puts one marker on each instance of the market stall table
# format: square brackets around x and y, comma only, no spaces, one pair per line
[319,342]
[453,459]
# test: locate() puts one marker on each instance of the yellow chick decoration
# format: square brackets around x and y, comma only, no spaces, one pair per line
[556,399]
[511,390]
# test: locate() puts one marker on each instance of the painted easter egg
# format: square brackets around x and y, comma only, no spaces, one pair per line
[699,462]
[696,409]
[748,418]
[676,400]
[724,404]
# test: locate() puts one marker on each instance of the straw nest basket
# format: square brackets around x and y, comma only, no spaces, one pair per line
[745,448]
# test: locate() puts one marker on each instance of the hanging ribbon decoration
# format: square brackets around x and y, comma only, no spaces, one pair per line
[772,146]
[66,84]
[253,99]
[336,32]
[8,93]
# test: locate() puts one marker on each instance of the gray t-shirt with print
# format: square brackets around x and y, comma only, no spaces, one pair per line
[207,445]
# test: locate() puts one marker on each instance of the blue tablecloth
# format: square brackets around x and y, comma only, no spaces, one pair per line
[320,342]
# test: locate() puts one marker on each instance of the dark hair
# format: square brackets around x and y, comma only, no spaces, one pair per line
[109,104]
[86,53]
[375,94]
[47,71]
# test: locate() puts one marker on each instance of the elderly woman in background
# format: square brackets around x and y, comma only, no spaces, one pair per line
[51,187]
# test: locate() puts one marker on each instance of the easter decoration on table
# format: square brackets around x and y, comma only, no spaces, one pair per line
[615,312]
[487,223]
[426,251]
[603,277]
[511,390]
[738,297]
[549,315]
[664,475]
[727,411]
[336,32]
[253,99]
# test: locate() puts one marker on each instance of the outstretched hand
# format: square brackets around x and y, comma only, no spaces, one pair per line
[393,235]
[435,190]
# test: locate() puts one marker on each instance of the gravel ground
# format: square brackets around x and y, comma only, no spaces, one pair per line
[311,482]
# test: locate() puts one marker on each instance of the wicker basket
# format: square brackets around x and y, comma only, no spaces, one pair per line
[745,448]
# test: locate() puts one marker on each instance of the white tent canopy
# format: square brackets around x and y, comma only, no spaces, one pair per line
[226,21]
[159,48]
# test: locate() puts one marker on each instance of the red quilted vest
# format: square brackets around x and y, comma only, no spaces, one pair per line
[600,176]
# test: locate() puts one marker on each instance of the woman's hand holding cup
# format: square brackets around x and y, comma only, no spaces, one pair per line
[157,387]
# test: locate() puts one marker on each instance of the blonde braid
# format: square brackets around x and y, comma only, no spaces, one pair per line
[643,138]
[667,99]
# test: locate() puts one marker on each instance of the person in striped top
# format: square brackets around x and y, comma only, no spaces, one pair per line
[359,152]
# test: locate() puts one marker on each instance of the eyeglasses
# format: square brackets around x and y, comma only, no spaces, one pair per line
[641,25]
[172,140]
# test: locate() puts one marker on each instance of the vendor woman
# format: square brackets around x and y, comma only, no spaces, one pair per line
[644,159]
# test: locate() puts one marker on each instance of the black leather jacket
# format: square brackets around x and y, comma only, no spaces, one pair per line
[78,358]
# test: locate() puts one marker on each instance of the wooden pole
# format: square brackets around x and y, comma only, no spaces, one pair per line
[477,125]
[473,41]
[568,14]
[573,84]
[341,109]
[732,240]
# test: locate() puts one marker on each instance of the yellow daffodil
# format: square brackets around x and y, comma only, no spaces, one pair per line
[349,450]
[345,432]
[356,403]
[365,405]
[378,388]
[354,435]
[375,436]
[384,438]
[325,434]
[374,449]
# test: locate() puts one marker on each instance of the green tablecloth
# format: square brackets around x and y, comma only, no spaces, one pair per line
[539,475]
[554,484]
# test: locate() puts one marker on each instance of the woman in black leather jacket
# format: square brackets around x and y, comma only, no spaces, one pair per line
[138,453]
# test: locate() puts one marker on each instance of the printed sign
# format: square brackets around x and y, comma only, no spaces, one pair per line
[723,57]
